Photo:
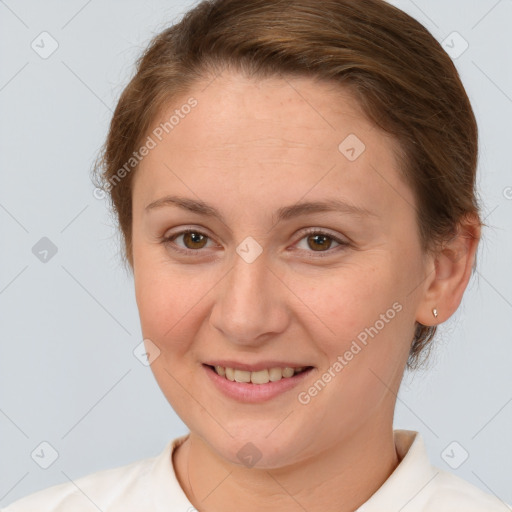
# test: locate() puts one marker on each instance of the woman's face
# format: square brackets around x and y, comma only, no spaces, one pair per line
[264,281]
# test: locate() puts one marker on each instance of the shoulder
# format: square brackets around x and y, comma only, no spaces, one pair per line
[451,493]
[121,488]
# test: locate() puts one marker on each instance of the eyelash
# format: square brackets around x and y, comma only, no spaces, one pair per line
[169,242]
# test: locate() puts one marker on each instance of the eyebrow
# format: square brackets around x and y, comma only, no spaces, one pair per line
[284,213]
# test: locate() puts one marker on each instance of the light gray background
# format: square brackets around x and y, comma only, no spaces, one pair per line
[68,326]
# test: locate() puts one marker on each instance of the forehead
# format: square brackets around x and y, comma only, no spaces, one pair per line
[294,113]
[283,136]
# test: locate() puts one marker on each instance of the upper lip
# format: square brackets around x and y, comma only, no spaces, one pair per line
[262,365]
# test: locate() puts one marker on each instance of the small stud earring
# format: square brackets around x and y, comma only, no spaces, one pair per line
[434,312]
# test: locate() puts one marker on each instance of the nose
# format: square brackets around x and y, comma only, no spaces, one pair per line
[250,303]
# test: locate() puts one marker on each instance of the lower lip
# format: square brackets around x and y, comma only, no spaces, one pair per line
[254,393]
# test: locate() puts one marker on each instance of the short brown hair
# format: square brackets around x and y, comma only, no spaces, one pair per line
[400,75]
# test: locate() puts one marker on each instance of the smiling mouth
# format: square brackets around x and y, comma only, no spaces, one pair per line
[259,377]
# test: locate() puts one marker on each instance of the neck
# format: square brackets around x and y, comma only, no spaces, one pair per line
[341,478]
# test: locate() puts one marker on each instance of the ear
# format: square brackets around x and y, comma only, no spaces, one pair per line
[453,264]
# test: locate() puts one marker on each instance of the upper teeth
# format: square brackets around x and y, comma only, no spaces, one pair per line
[259,377]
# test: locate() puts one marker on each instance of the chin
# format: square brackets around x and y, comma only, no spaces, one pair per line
[257,446]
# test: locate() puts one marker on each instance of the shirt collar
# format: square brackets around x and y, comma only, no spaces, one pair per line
[166,490]
[413,473]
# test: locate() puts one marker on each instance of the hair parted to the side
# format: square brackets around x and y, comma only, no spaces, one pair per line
[399,74]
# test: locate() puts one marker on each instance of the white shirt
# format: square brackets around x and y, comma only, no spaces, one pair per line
[151,485]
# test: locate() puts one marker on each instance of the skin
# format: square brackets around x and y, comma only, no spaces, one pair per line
[248,148]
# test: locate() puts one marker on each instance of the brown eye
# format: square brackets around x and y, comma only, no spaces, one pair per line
[194,240]
[319,242]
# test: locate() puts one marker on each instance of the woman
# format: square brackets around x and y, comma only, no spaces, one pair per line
[294,183]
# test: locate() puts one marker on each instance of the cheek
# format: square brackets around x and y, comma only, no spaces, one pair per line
[170,303]
[169,307]
[363,337]
[360,316]
[347,300]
